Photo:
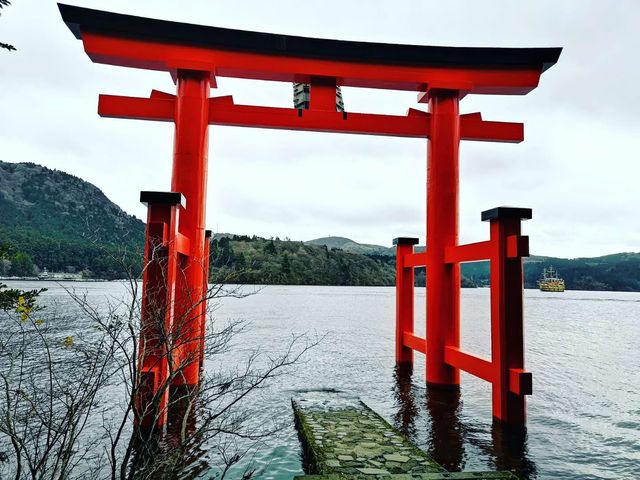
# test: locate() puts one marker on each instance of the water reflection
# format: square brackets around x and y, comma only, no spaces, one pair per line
[511,451]
[182,439]
[405,406]
[175,451]
[447,435]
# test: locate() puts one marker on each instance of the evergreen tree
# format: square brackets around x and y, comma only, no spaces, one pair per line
[213,250]
[22,265]
[225,252]
[240,262]
[270,248]
[285,265]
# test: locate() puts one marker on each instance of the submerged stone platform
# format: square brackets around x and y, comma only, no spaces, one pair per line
[343,438]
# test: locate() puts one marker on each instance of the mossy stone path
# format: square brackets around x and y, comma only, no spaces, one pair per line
[343,438]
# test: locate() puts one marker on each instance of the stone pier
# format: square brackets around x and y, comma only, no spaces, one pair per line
[342,438]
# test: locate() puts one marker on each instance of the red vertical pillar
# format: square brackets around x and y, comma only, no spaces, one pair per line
[323,94]
[443,280]
[205,290]
[404,299]
[158,291]
[190,178]
[507,337]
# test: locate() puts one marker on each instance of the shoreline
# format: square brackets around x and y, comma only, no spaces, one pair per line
[38,279]
[99,280]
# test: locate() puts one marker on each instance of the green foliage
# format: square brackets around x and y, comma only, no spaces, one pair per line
[285,265]
[62,207]
[270,248]
[62,223]
[54,220]
[618,272]
[22,265]
[254,260]
[20,300]
[103,261]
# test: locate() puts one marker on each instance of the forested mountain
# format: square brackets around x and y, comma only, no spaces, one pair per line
[617,272]
[255,260]
[50,219]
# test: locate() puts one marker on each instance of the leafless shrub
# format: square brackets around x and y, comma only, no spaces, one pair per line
[68,405]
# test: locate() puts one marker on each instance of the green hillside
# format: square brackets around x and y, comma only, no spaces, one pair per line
[255,260]
[617,272]
[50,219]
[350,246]
[55,220]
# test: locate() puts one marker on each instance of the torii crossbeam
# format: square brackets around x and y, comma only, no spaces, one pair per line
[196,55]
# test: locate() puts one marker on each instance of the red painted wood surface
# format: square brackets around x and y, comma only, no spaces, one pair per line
[157,315]
[189,176]
[443,280]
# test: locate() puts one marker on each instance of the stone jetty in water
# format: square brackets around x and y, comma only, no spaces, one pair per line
[342,438]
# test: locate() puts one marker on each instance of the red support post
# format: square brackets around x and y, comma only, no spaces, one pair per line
[190,177]
[205,290]
[158,295]
[443,280]
[323,94]
[404,299]
[507,289]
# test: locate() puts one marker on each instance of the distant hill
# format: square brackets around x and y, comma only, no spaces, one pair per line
[619,272]
[351,246]
[51,219]
[255,260]
[62,206]
[62,222]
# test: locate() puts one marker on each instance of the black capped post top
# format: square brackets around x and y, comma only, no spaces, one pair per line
[208,234]
[507,212]
[80,20]
[405,241]
[163,198]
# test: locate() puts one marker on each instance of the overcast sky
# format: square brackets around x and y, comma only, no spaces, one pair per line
[577,168]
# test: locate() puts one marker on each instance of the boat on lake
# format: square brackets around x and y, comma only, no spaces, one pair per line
[550,281]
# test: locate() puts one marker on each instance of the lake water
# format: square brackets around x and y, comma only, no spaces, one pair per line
[582,347]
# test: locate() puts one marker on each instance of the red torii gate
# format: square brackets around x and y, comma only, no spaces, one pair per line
[195,55]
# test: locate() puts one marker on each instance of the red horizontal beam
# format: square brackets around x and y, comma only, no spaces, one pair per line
[472,252]
[413,342]
[415,260]
[472,127]
[223,111]
[520,381]
[129,52]
[469,363]
[114,106]
[182,244]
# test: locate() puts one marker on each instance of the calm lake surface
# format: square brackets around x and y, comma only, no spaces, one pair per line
[582,347]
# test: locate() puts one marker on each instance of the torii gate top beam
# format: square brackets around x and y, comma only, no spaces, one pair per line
[146,43]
